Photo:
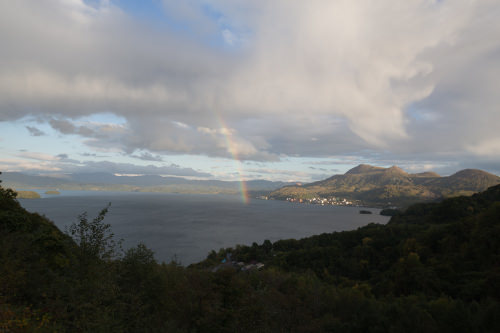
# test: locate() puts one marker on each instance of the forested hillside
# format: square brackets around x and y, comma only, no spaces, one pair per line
[433,268]
[450,248]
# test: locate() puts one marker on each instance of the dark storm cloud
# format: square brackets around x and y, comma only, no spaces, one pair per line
[35,131]
[148,157]
[66,127]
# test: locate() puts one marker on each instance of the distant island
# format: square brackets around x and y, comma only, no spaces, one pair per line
[386,187]
[52,192]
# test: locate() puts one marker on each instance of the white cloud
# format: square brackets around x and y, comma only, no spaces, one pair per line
[485,148]
[38,156]
[229,37]
[345,73]
[10,164]
[63,164]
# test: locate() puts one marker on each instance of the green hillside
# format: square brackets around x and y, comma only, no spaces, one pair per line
[391,186]
[438,261]
[433,268]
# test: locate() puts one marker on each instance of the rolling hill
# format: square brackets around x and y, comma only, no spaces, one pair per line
[391,186]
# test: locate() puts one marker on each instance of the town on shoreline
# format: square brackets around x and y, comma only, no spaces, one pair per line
[331,201]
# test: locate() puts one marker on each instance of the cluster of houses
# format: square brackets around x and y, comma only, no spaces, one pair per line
[325,201]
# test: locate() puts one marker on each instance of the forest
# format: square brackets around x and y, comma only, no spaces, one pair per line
[433,268]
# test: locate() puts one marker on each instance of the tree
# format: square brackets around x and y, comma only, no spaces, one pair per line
[7,197]
[94,238]
[95,283]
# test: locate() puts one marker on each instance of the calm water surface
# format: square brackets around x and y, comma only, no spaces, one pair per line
[187,227]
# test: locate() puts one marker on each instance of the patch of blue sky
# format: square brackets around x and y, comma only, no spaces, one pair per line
[16,138]
[151,10]
[200,162]
[293,169]
[104,118]
[231,36]
[332,165]
[421,114]
[221,39]
[212,12]
[92,3]
[154,14]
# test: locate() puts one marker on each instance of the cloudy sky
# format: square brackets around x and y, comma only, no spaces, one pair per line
[279,90]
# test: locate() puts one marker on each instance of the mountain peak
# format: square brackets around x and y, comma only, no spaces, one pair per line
[391,186]
[395,168]
[467,173]
[363,168]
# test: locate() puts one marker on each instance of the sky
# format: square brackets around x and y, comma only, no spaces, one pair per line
[232,89]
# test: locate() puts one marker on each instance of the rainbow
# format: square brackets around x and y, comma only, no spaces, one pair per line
[233,150]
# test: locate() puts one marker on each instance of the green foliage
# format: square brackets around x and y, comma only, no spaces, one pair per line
[7,198]
[433,268]
[34,261]
[94,238]
[389,212]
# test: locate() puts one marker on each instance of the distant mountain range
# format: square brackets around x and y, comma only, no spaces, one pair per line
[145,183]
[391,186]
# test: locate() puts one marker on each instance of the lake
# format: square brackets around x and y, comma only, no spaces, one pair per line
[187,227]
